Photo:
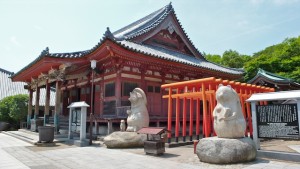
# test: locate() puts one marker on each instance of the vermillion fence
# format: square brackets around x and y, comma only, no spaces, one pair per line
[194,101]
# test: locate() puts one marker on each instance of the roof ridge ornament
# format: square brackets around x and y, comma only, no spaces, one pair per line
[169,6]
[44,52]
[108,34]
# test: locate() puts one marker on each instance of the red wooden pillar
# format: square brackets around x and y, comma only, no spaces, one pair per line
[198,119]
[243,107]
[184,119]
[210,112]
[205,119]
[170,107]
[191,118]
[177,117]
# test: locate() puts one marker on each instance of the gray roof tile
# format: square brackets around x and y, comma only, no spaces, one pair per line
[174,56]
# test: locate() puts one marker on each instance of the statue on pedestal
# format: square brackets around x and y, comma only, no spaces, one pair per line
[138,116]
[230,145]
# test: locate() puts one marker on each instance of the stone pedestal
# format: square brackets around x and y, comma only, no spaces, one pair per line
[225,151]
[46,134]
[120,139]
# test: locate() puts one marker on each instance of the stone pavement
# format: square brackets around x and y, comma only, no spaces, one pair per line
[15,153]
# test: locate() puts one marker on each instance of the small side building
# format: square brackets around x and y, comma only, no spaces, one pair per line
[279,83]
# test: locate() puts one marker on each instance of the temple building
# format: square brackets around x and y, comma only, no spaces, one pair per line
[152,51]
[279,83]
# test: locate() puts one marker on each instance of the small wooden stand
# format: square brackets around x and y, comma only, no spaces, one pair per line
[154,144]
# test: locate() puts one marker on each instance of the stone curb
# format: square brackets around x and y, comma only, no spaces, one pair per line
[285,156]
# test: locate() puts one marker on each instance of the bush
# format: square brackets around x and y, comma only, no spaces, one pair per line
[13,109]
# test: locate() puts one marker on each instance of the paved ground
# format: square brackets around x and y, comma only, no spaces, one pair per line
[15,153]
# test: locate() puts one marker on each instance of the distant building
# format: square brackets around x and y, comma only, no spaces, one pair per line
[279,83]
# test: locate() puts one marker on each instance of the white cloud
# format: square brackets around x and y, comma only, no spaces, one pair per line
[14,41]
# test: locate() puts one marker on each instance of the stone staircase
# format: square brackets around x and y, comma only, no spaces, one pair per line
[63,124]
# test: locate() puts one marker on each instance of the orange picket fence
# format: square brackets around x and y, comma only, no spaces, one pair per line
[197,98]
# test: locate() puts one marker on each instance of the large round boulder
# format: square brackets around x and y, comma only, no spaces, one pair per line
[120,139]
[226,151]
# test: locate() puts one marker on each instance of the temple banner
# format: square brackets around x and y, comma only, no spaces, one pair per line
[277,121]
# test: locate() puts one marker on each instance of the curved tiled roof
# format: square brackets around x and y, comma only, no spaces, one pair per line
[272,77]
[170,55]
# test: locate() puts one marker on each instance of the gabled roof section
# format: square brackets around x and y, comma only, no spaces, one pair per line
[152,22]
[144,25]
[271,76]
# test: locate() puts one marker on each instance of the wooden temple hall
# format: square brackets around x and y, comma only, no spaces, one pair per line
[152,51]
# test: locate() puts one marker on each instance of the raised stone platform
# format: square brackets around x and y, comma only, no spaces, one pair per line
[226,151]
[120,139]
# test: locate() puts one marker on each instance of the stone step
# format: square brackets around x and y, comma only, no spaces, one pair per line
[33,137]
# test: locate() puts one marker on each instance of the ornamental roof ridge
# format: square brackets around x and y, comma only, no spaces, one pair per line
[144,24]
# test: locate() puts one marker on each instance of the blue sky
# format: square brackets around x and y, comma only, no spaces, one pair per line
[247,26]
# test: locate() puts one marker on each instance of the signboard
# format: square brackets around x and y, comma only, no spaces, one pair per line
[278,121]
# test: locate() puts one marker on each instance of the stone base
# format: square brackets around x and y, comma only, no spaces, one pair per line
[226,151]
[81,143]
[124,140]
[41,144]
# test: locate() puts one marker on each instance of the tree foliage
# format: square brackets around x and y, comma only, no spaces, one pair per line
[214,58]
[13,109]
[282,59]
[230,58]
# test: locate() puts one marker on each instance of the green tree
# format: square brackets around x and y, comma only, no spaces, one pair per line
[233,59]
[214,58]
[13,109]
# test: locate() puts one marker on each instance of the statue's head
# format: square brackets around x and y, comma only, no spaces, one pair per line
[137,96]
[226,93]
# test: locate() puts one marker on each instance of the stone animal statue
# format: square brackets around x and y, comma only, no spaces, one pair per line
[138,116]
[229,121]
[122,125]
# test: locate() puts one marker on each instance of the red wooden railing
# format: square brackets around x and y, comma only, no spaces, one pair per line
[197,97]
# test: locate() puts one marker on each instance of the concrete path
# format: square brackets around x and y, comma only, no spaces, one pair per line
[15,153]
[295,147]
